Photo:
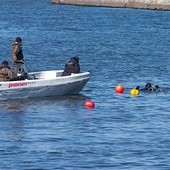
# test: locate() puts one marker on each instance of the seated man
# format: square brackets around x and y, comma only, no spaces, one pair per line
[5,72]
[72,66]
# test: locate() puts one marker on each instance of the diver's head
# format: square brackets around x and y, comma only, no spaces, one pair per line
[137,87]
[148,87]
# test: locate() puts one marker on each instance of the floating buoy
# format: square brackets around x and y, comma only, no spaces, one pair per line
[134,92]
[89,104]
[119,89]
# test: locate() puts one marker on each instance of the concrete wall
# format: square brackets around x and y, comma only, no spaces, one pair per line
[145,4]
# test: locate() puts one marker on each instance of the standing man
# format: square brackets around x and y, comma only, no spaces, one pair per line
[17,56]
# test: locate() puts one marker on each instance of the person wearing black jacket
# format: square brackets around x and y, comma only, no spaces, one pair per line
[72,66]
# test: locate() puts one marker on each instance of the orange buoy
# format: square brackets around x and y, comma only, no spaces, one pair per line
[119,89]
[89,104]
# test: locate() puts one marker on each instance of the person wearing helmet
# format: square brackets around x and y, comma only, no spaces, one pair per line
[5,72]
[17,54]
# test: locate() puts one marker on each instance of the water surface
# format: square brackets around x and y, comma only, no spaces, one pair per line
[119,46]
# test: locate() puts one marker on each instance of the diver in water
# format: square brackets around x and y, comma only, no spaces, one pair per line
[157,88]
[150,88]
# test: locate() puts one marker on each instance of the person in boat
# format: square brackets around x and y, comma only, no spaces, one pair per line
[17,55]
[150,88]
[5,72]
[72,66]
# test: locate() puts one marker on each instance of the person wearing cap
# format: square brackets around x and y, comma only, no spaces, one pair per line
[72,66]
[17,54]
[5,72]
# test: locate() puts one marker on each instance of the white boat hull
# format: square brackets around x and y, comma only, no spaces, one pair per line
[42,84]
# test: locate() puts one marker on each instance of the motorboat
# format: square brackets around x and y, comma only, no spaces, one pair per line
[43,84]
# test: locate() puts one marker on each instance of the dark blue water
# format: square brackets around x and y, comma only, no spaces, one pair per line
[119,46]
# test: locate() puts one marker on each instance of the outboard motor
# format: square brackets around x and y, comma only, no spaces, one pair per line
[22,72]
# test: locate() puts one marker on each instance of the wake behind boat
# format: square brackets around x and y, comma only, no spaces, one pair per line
[43,84]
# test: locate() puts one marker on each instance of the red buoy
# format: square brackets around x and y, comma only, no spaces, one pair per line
[119,89]
[89,104]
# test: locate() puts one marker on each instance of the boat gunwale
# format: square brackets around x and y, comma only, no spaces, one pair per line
[73,75]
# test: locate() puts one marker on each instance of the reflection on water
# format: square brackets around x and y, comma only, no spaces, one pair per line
[18,106]
[11,106]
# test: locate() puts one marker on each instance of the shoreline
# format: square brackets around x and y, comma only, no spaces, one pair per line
[138,4]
